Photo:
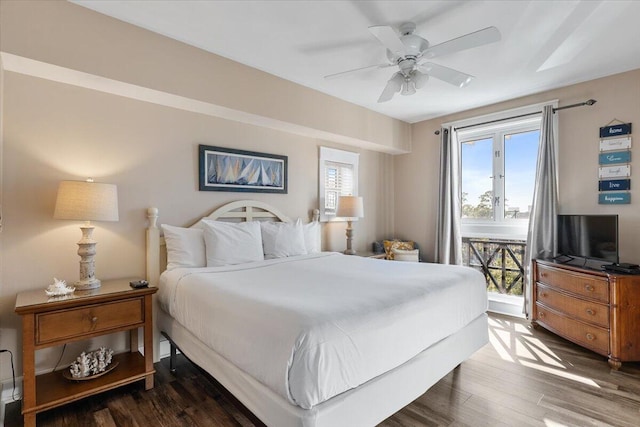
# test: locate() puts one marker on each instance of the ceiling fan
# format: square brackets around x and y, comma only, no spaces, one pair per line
[410,52]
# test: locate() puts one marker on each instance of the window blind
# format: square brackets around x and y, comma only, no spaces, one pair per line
[338,181]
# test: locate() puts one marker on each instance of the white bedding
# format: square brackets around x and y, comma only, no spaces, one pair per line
[313,326]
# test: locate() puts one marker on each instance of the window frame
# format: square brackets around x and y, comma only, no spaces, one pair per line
[515,229]
[334,155]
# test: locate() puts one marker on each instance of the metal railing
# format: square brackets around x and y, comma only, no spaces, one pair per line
[499,260]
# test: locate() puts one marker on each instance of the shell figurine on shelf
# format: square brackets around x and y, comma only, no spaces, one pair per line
[59,288]
[92,364]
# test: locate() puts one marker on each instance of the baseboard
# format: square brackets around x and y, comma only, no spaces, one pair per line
[6,396]
[165,348]
[506,304]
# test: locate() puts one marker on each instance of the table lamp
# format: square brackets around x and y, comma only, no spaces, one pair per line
[350,207]
[87,201]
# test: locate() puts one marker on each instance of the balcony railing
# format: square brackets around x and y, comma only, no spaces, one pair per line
[499,260]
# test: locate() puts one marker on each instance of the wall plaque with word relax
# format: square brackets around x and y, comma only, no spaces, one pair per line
[614,171]
[615,130]
[613,144]
[614,185]
[614,198]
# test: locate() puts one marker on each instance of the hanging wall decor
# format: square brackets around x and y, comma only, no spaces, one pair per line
[228,169]
[614,161]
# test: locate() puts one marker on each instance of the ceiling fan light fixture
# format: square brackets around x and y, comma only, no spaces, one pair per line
[420,79]
[394,85]
[409,87]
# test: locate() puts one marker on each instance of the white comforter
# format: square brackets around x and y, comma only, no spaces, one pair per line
[313,326]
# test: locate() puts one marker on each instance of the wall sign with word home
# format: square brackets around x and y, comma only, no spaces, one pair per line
[614,171]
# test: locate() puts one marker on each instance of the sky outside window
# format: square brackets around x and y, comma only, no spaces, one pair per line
[520,157]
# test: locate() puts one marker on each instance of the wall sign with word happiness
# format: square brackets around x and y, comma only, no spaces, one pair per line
[614,171]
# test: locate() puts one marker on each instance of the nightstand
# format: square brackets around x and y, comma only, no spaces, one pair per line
[53,321]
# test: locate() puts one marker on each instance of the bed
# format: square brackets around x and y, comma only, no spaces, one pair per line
[318,339]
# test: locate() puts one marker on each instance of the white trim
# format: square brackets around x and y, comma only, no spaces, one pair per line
[510,305]
[526,109]
[509,230]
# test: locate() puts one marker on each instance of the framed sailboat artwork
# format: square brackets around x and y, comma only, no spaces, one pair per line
[227,169]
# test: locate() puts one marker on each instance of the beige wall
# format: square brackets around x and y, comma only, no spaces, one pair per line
[618,96]
[55,131]
[77,38]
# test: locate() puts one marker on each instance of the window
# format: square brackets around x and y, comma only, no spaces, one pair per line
[338,176]
[498,166]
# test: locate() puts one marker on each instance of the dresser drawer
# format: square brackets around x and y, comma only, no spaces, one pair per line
[74,323]
[589,336]
[593,287]
[587,311]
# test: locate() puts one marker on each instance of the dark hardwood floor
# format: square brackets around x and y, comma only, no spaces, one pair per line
[524,377]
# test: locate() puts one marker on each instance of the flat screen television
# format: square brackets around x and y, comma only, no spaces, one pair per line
[588,236]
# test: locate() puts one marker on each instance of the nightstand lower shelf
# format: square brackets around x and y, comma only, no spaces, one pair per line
[53,389]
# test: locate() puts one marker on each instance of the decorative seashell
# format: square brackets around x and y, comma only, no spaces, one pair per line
[59,287]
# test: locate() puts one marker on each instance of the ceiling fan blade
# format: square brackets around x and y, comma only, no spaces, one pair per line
[446,74]
[478,38]
[346,73]
[393,86]
[389,38]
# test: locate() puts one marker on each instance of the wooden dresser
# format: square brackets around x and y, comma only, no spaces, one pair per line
[594,309]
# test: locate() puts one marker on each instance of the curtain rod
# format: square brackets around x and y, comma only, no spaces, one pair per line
[579,104]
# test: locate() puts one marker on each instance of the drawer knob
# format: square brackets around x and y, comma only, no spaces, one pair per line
[590,311]
[543,274]
[543,294]
[541,314]
[94,319]
[590,337]
[588,288]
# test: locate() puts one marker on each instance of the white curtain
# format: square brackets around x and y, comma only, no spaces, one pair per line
[448,238]
[542,234]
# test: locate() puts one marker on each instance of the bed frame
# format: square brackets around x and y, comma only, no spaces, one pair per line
[366,405]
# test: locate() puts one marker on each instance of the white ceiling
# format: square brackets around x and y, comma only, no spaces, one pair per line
[545,44]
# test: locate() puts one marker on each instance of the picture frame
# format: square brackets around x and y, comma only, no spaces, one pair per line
[228,169]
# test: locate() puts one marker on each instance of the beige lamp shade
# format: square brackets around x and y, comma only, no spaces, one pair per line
[350,207]
[87,201]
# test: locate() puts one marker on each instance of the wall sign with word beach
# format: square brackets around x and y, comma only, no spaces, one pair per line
[614,172]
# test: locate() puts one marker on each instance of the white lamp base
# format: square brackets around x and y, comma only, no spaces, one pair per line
[83,285]
[87,252]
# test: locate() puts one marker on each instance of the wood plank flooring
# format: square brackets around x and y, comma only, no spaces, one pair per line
[525,377]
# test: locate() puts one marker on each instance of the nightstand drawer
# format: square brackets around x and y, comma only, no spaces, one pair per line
[74,323]
[592,287]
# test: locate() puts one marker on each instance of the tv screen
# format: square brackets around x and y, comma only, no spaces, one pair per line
[588,236]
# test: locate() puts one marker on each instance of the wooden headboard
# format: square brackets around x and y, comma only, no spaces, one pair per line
[242,210]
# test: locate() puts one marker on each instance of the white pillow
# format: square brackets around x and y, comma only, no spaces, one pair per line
[232,243]
[282,239]
[312,240]
[185,247]
[403,255]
